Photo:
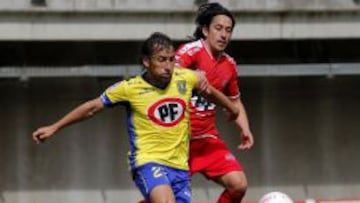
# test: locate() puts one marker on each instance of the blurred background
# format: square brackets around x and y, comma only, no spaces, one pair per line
[299,72]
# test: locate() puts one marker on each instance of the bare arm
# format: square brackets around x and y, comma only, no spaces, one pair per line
[214,95]
[242,122]
[83,111]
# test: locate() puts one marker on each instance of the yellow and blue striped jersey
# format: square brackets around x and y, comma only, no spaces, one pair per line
[158,119]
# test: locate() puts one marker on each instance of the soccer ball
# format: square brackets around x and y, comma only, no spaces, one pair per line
[275,197]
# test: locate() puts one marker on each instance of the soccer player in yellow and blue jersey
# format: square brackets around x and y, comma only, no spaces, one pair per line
[158,120]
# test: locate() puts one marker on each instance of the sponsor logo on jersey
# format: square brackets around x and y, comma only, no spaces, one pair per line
[201,104]
[181,86]
[167,112]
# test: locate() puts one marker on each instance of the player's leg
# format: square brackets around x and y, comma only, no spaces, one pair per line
[180,180]
[154,184]
[182,195]
[235,184]
[162,194]
[181,189]
[225,170]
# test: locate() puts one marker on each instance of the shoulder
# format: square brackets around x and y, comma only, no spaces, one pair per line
[185,73]
[126,83]
[190,48]
[133,81]
[179,71]
[230,60]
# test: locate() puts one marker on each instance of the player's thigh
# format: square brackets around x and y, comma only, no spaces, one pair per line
[181,185]
[151,176]
[234,180]
[161,194]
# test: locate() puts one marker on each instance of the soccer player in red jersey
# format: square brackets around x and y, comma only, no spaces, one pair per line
[208,153]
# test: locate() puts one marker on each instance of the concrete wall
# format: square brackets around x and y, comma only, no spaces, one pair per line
[181,5]
[104,26]
[306,131]
[135,20]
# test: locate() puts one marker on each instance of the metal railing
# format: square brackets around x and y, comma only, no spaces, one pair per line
[278,70]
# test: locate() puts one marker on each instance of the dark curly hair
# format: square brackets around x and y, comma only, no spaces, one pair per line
[205,15]
[156,41]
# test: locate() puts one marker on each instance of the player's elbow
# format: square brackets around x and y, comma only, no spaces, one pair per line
[92,107]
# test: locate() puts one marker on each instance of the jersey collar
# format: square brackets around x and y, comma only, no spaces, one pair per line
[209,53]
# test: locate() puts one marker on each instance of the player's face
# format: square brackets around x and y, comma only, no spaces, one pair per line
[160,65]
[218,33]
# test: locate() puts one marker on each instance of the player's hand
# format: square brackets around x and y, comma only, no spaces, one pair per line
[43,133]
[247,140]
[203,85]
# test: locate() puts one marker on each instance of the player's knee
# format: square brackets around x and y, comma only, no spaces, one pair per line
[240,188]
[237,193]
[239,185]
[164,200]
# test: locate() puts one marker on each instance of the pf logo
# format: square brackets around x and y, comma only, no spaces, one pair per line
[167,112]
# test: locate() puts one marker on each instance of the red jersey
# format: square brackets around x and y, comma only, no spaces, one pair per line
[221,73]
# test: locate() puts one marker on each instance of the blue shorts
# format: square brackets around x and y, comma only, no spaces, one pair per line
[150,175]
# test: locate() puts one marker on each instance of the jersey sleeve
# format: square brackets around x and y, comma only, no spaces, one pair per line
[183,58]
[232,88]
[114,94]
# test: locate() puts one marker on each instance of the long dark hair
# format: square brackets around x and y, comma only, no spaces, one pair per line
[205,15]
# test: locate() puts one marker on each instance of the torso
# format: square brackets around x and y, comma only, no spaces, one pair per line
[157,118]
[221,73]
